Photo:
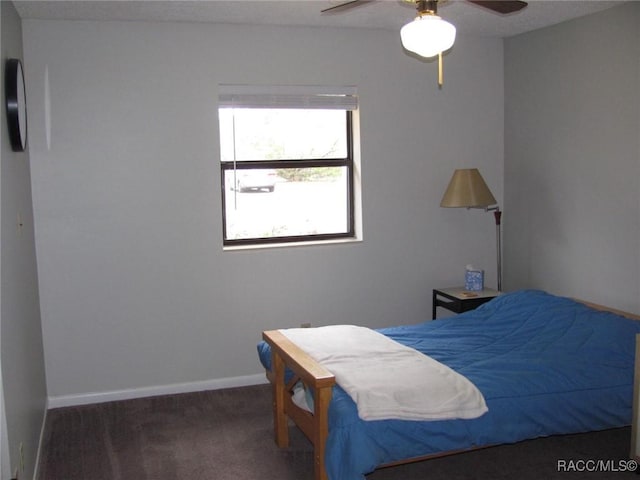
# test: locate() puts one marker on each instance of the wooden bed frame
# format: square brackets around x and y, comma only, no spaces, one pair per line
[287,355]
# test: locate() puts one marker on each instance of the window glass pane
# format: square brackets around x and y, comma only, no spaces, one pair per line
[267,203]
[279,134]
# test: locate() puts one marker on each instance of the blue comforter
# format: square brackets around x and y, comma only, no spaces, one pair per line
[545,365]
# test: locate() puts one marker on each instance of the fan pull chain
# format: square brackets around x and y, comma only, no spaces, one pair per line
[440,76]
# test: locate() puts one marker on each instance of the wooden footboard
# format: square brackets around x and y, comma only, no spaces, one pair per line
[286,354]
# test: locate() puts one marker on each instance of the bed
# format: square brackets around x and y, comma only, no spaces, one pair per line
[545,365]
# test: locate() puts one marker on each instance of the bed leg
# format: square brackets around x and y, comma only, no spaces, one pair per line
[322,397]
[279,391]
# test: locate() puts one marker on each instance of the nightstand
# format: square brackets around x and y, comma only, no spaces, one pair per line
[459,300]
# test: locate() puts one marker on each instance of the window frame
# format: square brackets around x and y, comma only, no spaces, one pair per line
[347,162]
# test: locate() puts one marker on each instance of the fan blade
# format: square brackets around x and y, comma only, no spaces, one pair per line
[504,7]
[344,6]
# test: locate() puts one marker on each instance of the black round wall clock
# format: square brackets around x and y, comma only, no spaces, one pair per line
[16,103]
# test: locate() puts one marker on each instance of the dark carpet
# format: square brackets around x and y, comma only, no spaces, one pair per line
[228,435]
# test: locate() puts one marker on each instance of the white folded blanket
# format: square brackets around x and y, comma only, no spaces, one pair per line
[388,380]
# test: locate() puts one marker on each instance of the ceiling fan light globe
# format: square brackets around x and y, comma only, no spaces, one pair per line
[428,35]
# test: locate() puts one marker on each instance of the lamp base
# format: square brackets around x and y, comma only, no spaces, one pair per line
[498,216]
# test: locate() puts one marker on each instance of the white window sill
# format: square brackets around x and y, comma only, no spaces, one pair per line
[337,241]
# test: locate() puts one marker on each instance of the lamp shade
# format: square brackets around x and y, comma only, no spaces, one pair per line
[428,35]
[467,189]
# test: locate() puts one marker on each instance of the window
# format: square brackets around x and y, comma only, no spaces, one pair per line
[287,166]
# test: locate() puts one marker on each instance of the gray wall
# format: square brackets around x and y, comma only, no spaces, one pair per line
[136,290]
[23,373]
[572,158]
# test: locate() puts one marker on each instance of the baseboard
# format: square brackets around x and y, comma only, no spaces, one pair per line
[128,394]
[36,467]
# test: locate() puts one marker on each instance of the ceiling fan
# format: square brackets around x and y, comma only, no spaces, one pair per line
[428,34]
[500,6]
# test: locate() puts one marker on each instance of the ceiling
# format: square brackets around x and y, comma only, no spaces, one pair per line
[389,14]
